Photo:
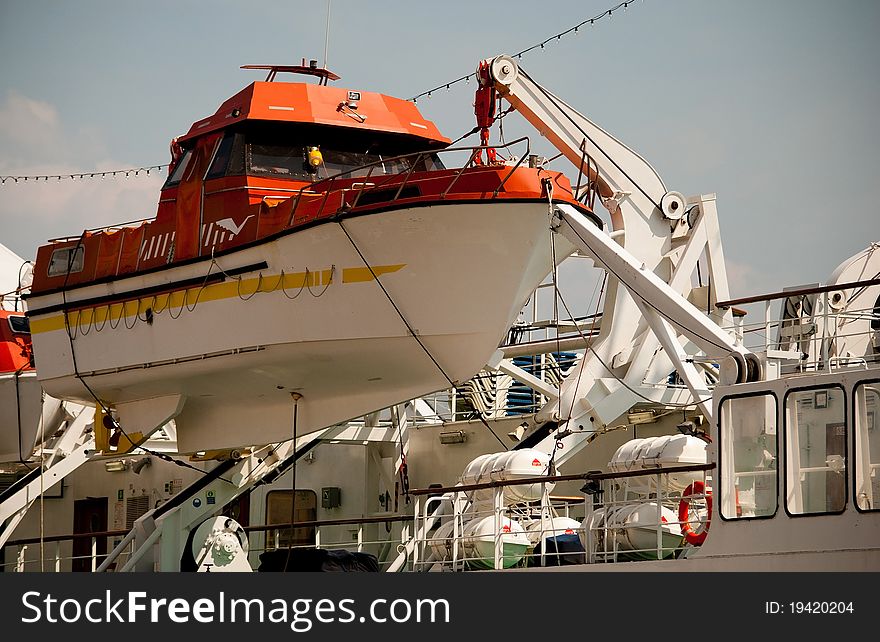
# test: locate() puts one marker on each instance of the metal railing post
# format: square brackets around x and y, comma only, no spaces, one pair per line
[498,505]
[825,333]
[419,533]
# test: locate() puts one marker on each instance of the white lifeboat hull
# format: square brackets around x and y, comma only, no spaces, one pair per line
[27,416]
[313,320]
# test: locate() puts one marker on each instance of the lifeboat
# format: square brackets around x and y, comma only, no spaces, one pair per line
[27,415]
[312,260]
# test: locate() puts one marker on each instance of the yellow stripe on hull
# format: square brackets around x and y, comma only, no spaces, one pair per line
[175,301]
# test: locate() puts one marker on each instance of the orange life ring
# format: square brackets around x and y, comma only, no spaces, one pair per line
[690,535]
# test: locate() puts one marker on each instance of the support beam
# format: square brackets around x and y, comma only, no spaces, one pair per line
[172,527]
[497,362]
[652,291]
[669,340]
[72,450]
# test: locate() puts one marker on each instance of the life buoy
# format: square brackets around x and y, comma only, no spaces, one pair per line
[691,536]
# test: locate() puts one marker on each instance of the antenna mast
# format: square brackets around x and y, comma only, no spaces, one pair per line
[327,34]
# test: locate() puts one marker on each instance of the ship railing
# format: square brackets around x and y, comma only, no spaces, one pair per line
[378,535]
[637,515]
[493,395]
[330,185]
[381,536]
[327,187]
[527,533]
[54,553]
[821,337]
[487,395]
[502,538]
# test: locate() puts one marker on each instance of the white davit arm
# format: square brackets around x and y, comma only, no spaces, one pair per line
[655,293]
[619,172]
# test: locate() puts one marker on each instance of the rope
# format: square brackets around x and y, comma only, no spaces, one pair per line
[589,344]
[42,514]
[79,328]
[409,327]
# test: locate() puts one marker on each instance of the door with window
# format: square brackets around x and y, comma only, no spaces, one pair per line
[89,516]
[280,510]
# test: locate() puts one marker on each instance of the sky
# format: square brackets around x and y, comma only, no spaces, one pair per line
[770,105]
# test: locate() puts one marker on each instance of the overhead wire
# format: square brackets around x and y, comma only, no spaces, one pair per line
[540,45]
[112,173]
[147,169]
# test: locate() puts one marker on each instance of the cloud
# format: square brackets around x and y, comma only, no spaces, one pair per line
[742,279]
[28,123]
[37,210]
[35,142]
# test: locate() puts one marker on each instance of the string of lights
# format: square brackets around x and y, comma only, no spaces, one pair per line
[589,21]
[137,171]
[131,171]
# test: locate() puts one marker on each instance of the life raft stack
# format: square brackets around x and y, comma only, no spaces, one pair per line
[677,504]
[657,453]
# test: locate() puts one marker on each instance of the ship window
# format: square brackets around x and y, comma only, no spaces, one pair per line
[867,454]
[748,457]
[279,510]
[336,162]
[280,151]
[66,260]
[221,158]
[277,160]
[815,437]
[236,156]
[20,325]
[177,175]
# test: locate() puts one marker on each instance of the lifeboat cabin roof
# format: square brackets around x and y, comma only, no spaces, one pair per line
[319,104]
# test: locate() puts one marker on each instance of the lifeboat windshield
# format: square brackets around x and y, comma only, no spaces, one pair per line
[283,151]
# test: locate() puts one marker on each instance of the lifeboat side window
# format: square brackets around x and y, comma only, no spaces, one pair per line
[66,260]
[748,457]
[221,158]
[177,175]
[20,325]
[815,438]
[866,414]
